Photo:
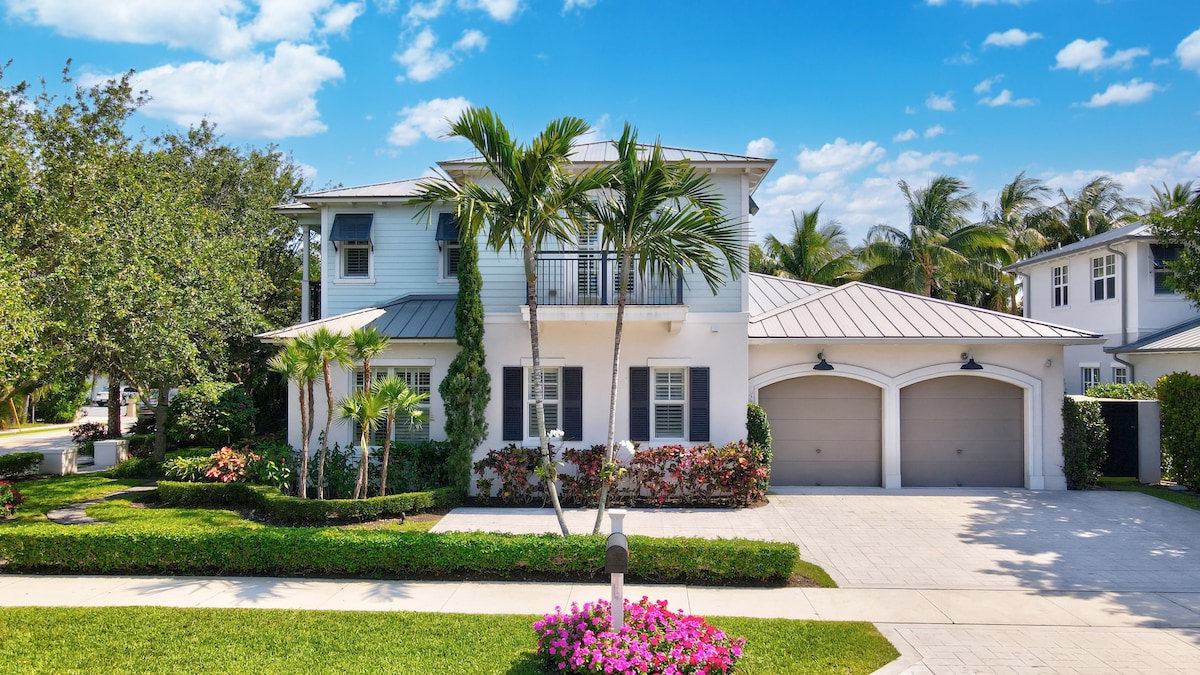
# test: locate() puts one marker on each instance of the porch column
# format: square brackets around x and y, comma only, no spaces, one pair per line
[891,437]
[305,300]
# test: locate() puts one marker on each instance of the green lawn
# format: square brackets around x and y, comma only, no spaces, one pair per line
[157,640]
[1188,499]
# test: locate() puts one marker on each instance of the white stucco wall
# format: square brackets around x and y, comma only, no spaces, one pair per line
[1035,368]
[1149,367]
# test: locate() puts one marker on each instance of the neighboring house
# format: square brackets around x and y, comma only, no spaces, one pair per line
[1114,284]
[911,391]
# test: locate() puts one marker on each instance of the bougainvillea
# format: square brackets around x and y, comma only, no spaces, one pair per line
[654,640]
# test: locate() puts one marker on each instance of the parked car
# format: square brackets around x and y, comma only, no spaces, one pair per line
[101,399]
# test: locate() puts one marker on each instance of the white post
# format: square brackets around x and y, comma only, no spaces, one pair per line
[617,517]
[305,298]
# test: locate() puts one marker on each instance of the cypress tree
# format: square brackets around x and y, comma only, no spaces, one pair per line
[467,387]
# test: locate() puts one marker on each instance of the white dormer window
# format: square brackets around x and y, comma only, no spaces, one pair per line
[1104,277]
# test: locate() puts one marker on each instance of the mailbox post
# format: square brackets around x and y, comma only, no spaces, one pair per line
[616,563]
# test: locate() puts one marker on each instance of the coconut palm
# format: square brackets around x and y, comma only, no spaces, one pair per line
[365,343]
[660,218]
[941,244]
[534,203]
[817,253]
[400,403]
[1093,209]
[1169,199]
[1020,212]
[329,348]
[366,409]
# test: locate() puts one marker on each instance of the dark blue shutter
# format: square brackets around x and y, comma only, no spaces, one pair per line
[514,404]
[639,404]
[572,404]
[698,405]
[447,228]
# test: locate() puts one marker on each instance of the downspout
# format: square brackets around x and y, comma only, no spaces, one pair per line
[1124,308]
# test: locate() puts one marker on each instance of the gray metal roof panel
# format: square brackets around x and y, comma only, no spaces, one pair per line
[1132,231]
[396,189]
[1182,337]
[411,317]
[767,292]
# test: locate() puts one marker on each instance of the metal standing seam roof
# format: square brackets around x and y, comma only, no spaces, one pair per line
[862,312]
[767,292]
[1182,337]
[1133,231]
[396,189]
[412,317]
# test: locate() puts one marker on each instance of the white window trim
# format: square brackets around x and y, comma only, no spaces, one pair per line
[1083,380]
[1065,286]
[1124,372]
[443,258]
[339,263]
[377,368]
[655,402]
[1092,263]
[527,392]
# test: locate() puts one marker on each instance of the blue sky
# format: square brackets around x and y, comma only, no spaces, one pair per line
[850,97]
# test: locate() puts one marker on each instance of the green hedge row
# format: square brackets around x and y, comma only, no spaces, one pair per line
[19,464]
[1179,400]
[284,510]
[332,552]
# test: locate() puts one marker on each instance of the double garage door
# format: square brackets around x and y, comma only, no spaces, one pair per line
[954,431]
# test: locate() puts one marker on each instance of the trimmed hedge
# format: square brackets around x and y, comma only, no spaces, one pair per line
[1084,442]
[19,464]
[331,552]
[285,510]
[1130,391]
[1179,407]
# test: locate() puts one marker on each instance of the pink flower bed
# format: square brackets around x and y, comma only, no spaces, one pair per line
[654,640]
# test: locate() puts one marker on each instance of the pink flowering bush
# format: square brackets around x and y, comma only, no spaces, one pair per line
[10,497]
[654,640]
[230,466]
[514,469]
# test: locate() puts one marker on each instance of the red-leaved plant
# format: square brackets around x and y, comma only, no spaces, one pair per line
[231,466]
[10,497]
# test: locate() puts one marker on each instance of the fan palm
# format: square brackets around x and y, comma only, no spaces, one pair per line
[817,253]
[534,203]
[365,343]
[400,402]
[329,348]
[366,409]
[661,218]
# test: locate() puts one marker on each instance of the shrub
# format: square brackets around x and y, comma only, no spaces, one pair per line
[20,464]
[1131,391]
[211,413]
[1084,442]
[141,446]
[1179,408]
[732,474]
[653,640]
[512,471]
[583,488]
[62,400]
[134,467]
[89,432]
[418,466]
[229,466]
[143,425]
[10,497]
[270,463]
[187,469]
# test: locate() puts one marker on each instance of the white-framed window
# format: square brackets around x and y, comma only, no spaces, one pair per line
[1058,285]
[355,259]
[1090,376]
[418,379]
[668,401]
[1104,277]
[551,393]
[450,255]
[1163,257]
[1120,375]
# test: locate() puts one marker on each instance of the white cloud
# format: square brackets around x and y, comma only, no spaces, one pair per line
[761,147]
[1188,52]
[944,103]
[425,11]
[215,28]
[422,60]
[840,156]
[1013,37]
[284,92]
[569,5]
[471,39]
[913,162]
[1005,98]
[1123,94]
[934,131]
[1138,181]
[597,132]
[986,85]
[307,171]
[1088,55]
[909,110]
[427,119]
[500,10]
[906,135]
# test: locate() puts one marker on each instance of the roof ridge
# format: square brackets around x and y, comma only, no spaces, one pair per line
[828,290]
[366,185]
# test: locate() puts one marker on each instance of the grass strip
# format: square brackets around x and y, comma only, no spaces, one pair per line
[1188,499]
[160,640]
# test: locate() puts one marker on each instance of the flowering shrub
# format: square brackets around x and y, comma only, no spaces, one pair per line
[514,468]
[10,497]
[230,466]
[271,464]
[89,432]
[653,640]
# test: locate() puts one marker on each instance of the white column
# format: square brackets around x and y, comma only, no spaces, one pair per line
[305,300]
[891,437]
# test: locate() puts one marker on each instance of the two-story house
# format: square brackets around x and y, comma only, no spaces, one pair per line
[1114,284]
[862,385]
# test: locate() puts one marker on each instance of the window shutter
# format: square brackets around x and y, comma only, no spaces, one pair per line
[513,387]
[572,404]
[698,405]
[639,404]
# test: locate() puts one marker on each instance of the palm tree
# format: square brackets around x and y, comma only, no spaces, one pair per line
[535,202]
[940,246]
[1095,208]
[365,343]
[289,362]
[329,348]
[820,254]
[1169,199]
[661,218]
[366,409]
[310,371]
[400,402]
[1020,212]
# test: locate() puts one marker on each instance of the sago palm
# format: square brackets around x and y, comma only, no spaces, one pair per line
[401,403]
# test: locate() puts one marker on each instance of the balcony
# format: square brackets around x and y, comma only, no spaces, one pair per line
[583,285]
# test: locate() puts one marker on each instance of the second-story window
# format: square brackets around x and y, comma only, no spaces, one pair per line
[1104,277]
[1163,256]
[448,246]
[351,238]
[1058,283]
[356,259]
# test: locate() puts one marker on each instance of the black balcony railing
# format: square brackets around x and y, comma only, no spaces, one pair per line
[591,278]
[314,300]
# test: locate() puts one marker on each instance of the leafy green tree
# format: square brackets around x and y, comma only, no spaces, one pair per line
[400,403]
[1181,225]
[761,262]
[817,253]
[467,386]
[366,408]
[329,348]
[535,202]
[661,218]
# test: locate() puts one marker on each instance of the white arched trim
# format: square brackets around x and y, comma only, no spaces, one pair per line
[1035,475]
[806,369]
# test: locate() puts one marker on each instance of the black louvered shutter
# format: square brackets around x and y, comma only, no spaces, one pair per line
[698,405]
[514,387]
[572,402]
[639,404]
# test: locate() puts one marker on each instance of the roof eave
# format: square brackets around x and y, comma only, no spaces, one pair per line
[1011,341]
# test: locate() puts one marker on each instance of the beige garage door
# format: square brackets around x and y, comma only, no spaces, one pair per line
[826,431]
[962,431]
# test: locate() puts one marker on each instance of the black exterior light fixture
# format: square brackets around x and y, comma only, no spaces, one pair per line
[822,365]
[970,364]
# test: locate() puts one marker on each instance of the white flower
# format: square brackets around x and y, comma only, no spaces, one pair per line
[627,446]
[556,433]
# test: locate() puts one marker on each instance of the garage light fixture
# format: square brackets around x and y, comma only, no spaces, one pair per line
[823,364]
[970,365]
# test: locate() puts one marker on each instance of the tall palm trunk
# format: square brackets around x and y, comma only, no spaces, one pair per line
[535,347]
[360,490]
[387,448]
[328,422]
[622,271]
[302,486]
